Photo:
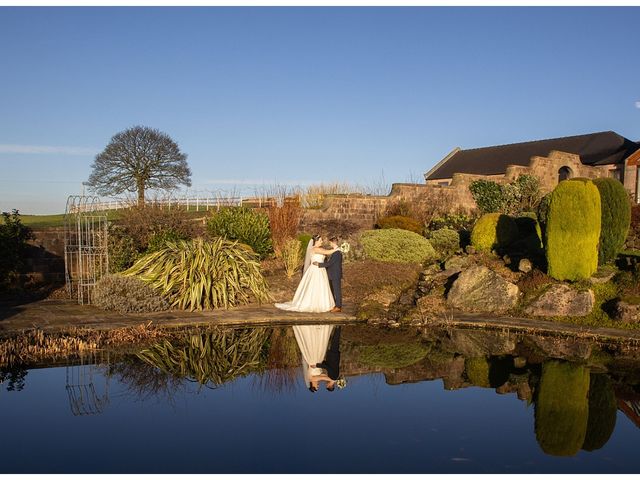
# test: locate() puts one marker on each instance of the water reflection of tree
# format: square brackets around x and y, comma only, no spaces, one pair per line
[573,409]
[282,362]
[15,378]
[144,380]
[211,358]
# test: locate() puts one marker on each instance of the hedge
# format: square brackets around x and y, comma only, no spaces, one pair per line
[573,230]
[616,218]
[401,222]
[493,231]
[561,408]
[396,245]
[245,225]
[445,241]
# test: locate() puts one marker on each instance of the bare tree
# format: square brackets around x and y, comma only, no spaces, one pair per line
[137,159]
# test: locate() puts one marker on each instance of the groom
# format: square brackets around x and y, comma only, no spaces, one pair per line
[334,272]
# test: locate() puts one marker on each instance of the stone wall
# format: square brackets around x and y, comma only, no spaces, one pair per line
[45,257]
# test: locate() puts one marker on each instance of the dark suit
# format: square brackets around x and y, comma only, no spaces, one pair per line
[334,272]
[331,360]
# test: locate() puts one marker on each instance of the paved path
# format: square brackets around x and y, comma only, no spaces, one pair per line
[51,315]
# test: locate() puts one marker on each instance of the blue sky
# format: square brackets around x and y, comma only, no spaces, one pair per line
[302,95]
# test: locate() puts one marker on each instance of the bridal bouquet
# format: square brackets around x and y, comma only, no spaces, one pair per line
[341,383]
[345,247]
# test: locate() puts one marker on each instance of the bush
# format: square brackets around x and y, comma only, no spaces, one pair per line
[493,231]
[529,232]
[602,412]
[488,195]
[453,221]
[334,226]
[244,225]
[633,237]
[561,408]
[198,274]
[126,295]
[13,244]
[573,230]
[141,224]
[615,217]
[283,222]
[291,255]
[445,241]
[403,223]
[395,245]
[160,239]
[523,194]
[123,250]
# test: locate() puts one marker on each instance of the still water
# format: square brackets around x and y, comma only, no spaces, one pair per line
[414,402]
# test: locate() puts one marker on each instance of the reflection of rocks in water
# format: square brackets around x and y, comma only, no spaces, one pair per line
[561,408]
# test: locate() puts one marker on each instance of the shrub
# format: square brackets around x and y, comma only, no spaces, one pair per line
[244,225]
[126,295]
[342,228]
[493,231]
[198,274]
[395,245]
[615,217]
[445,241]
[403,223]
[561,408]
[13,244]
[143,223]
[529,232]
[283,222]
[291,255]
[454,221]
[160,239]
[488,195]
[122,248]
[573,230]
[602,412]
[633,237]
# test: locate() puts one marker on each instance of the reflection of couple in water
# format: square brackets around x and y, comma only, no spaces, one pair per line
[320,347]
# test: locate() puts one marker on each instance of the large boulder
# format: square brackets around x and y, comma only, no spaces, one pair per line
[561,300]
[627,311]
[481,290]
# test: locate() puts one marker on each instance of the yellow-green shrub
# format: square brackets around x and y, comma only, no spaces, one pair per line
[396,245]
[493,231]
[615,218]
[562,408]
[573,230]
[402,222]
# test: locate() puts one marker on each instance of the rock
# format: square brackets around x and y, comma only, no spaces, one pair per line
[627,312]
[507,260]
[561,300]
[525,265]
[479,289]
[456,264]
[470,250]
[519,362]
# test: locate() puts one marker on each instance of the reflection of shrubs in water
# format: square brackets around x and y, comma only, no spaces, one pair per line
[143,379]
[561,408]
[282,362]
[213,357]
[392,355]
[14,378]
[602,412]
[477,371]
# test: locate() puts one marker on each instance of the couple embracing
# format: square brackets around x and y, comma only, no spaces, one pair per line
[320,289]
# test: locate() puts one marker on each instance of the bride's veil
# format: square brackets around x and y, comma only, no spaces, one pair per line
[307,256]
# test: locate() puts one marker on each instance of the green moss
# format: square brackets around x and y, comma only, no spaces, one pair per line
[396,245]
[393,355]
[477,371]
[602,412]
[493,231]
[561,408]
[573,230]
[616,218]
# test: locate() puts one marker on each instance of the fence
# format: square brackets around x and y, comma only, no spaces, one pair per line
[192,203]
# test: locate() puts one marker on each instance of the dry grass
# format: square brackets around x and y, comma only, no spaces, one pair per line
[284,221]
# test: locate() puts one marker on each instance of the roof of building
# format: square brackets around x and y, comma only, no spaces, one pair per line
[600,148]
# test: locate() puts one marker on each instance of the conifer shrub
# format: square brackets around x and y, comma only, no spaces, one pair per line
[573,230]
[561,408]
[244,225]
[477,371]
[396,245]
[126,295]
[493,231]
[615,217]
[445,241]
[401,222]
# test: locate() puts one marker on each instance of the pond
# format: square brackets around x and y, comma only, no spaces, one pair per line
[407,401]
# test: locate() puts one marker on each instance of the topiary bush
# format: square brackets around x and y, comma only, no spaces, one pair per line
[445,241]
[396,245]
[573,230]
[562,407]
[488,195]
[403,223]
[245,225]
[493,231]
[126,295]
[198,275]
[615,217]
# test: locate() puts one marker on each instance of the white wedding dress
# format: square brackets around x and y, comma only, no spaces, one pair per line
[312,341]
[313,293]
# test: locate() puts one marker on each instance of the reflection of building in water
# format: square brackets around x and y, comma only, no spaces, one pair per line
[80,386]
[631,408]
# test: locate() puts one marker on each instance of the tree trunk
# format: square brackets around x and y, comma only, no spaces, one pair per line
[140,194]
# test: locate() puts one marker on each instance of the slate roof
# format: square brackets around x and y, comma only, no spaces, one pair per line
[600,148]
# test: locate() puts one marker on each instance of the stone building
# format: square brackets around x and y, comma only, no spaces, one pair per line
[601,154]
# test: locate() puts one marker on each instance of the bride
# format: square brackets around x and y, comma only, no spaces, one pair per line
[313,293]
